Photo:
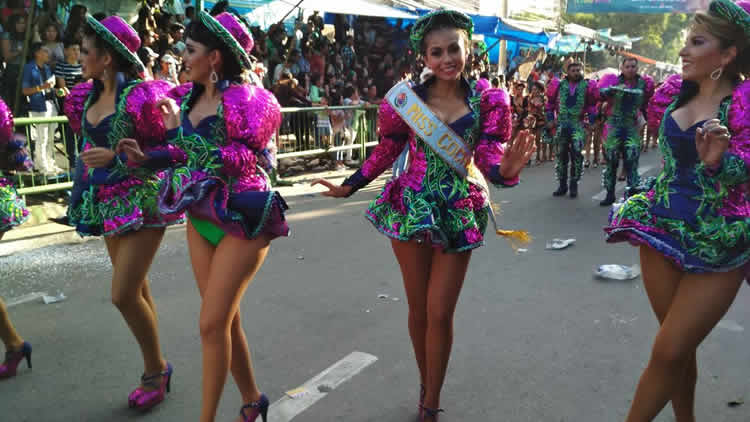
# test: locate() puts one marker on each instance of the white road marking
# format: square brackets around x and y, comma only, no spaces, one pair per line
[620,186]
[286,408]
[24,299]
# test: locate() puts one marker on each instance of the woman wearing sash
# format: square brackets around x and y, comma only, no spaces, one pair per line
[692,224]
[436,211]
[111,198]
[218,131]
[13,212]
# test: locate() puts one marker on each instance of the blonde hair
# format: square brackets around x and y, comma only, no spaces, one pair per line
[729,34]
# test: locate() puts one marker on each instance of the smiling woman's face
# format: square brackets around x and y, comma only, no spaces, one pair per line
[445,52]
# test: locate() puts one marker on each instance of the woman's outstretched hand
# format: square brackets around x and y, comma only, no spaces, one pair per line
[517,155]
[334,191]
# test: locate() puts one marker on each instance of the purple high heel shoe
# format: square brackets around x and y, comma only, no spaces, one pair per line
[259,407]
[13,359]
[145,400]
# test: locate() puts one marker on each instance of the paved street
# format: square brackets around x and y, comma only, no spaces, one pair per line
[537,337]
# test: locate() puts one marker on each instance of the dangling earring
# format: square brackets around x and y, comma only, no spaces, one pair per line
[716,74]
[104,75]
[214,76]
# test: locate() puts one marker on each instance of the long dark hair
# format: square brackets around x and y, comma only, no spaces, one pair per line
[121,63]
[75,23]
[231,70]
[12,22]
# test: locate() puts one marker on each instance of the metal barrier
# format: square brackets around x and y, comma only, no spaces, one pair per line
[298,136]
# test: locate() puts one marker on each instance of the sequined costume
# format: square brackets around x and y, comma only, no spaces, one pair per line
[698,217]
[215,168]
[118,198]
[625,100]
[429,200]
[13,156]
[569,103]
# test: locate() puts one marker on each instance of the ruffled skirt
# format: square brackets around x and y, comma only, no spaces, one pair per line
[431,202]
[247,214]
[13,211]
[709,243]
[116,209]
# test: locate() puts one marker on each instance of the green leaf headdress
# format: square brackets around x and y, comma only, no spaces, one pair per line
[427,22]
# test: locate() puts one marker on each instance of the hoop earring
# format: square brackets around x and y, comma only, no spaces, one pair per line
[214,78]
[716,74]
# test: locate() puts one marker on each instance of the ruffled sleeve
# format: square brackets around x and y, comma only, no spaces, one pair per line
[495,119]
[74,102]
[6,124]
[163,154]
[394,134]
[648,92]
[552,93]
[663,96]
[592,99]
[141,107]
[252,115]
[735,166]
[180,92]
[605,84]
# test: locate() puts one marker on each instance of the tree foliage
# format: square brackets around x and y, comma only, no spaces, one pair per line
[662,35]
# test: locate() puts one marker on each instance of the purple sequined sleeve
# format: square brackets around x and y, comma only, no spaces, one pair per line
[237,160]
[735,168]
[394,134]
[495,115]
[553,90]
[6,124]
[648,92]
[147,121]
[592,99]
[663,96]
[74,102]
[252,115]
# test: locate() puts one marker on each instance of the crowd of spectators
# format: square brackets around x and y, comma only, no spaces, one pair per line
[355,61]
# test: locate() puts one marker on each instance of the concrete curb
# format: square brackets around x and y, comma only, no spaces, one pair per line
[40,231]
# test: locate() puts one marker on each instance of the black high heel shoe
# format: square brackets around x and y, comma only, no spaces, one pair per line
[259,407]
[430,413]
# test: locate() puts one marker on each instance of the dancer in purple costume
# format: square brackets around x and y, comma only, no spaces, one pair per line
[13,212]
[111,198]
[693,224]
[219,129]
[435,217]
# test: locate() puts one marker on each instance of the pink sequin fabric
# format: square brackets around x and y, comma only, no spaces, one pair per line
[6,124]
[231,192]
[662,98]
[393,133]
[147,120]
[180,91]
[252,115]
[119,198]
[496,129]
[738,201]
[238,160]
[74,103]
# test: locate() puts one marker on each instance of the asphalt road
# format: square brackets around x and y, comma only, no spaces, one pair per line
[537,337]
